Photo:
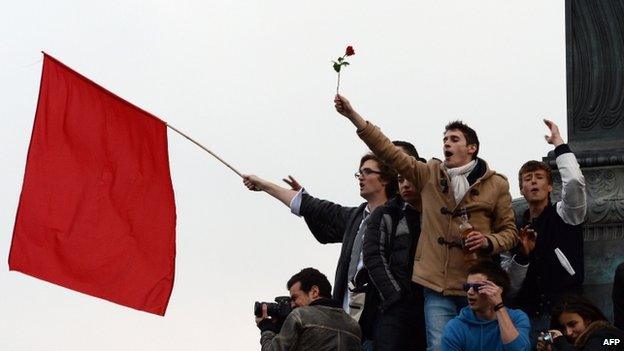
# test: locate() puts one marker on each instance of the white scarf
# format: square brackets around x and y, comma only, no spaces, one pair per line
[459,180]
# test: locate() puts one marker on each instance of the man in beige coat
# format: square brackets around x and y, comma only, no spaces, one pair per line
[461,181]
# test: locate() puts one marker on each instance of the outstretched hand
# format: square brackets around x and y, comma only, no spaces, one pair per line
[555,137]
[293,183]
[252,182]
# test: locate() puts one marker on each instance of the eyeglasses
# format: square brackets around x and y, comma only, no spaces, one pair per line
[365,172]
[475,286]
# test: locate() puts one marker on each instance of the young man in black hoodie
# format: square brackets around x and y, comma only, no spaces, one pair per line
[549,259]
[389,247]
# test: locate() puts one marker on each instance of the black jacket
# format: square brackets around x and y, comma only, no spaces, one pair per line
[546,279]
[333,223]
[389,246]
[597,336]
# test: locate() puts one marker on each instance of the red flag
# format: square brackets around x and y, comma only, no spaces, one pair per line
[97,212]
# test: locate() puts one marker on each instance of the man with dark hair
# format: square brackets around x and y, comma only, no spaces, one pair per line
[461,181]
[389,246]
[550,253]
[469,134]
[486,324]
[333,223]
[316,323]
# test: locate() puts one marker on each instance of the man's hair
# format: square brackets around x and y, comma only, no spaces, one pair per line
[493,272]
[532,166]
[469,134]
[576,304]
[388,174]
[409,149]
[309,277]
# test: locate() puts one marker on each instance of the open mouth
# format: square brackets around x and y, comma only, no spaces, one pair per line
[448,154]
[534,190]
[472,301]
[361,185]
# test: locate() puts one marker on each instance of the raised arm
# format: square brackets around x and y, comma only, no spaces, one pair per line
[573,204]
[410,168]
[255,183]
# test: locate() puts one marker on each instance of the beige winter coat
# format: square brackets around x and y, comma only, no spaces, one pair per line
[437,266]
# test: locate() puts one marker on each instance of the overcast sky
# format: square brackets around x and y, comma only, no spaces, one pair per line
[252,80]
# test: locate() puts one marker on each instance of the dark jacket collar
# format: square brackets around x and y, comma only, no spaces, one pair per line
[323,301]
[545,213]
[477,172]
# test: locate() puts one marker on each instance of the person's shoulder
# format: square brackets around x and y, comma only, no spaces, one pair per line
[491,175]
[434,162]
[394,205]
[455,325]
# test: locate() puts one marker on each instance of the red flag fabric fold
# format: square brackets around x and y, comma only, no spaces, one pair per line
[97,211]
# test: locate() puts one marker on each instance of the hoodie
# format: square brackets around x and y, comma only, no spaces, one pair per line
[467,332]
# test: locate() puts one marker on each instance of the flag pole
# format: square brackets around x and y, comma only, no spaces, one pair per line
[205,149]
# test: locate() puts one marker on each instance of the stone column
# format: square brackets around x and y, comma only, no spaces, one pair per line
[595,92]
[595,99]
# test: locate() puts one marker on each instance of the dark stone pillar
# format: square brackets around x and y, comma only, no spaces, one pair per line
[595,98]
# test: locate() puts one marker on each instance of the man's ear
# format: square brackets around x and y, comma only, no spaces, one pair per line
[314,292]
[472,148]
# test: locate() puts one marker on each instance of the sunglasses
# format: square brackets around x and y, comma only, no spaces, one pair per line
[475,286]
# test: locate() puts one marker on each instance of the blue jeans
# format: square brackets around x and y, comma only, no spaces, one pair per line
[439,309]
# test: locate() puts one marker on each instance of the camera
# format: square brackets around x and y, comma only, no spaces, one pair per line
[278,309]
[546,337]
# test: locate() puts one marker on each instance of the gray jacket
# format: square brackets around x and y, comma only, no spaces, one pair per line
[322,326]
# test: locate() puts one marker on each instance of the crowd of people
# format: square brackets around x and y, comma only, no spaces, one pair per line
[435,259]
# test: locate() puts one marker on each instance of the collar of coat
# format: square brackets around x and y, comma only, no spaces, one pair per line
[323,301]
[481,171]
[591,328]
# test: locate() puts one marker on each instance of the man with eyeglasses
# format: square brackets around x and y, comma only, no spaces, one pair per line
[333,223]
[486,324]
[460,181]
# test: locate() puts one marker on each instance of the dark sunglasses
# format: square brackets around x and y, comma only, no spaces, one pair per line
[475,286]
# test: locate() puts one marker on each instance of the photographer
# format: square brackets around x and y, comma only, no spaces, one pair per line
[316,323]
[585,328]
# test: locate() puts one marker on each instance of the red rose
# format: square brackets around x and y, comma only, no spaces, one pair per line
[350,51]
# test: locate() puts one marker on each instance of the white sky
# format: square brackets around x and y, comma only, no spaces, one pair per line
[253,81]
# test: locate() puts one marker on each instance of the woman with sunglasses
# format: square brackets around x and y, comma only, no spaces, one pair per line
[585,328]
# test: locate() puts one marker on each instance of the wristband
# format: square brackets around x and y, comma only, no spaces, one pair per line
[498,307]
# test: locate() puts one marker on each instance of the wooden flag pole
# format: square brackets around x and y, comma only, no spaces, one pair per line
[205,149]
